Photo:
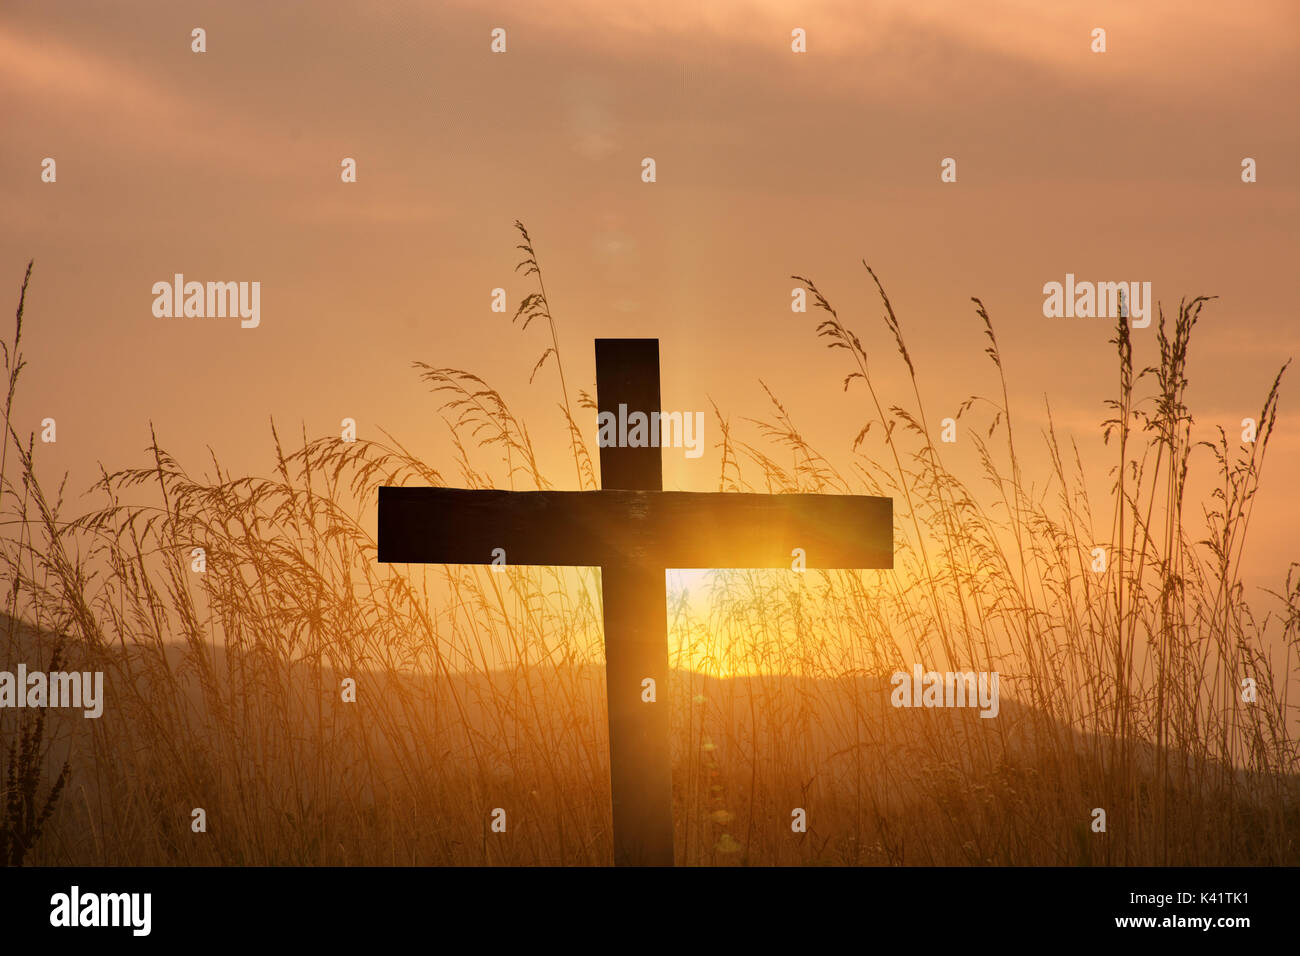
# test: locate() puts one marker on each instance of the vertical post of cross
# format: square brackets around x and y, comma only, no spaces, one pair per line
[636,624]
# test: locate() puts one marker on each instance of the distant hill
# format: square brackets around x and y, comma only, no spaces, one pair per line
[289,773]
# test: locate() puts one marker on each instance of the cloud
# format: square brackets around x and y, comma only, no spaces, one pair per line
[1164,40]
[60,75]
[126,110]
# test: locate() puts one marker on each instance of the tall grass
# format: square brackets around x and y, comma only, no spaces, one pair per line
[478,690]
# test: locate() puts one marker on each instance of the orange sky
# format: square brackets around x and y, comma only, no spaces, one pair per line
[225,166]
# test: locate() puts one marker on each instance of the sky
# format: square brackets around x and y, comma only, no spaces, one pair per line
[225,166]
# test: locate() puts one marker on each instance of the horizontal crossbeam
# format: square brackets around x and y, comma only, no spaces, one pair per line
[649,529]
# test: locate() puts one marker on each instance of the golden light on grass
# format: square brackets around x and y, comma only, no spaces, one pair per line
[481,689]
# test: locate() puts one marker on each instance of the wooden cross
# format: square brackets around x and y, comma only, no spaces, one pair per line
[634,531]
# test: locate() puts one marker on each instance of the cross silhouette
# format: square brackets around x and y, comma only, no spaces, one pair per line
[634,531]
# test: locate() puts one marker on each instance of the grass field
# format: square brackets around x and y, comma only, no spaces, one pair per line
[479,690]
